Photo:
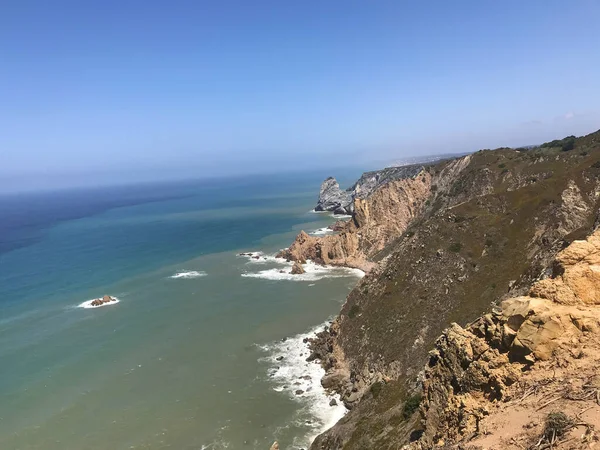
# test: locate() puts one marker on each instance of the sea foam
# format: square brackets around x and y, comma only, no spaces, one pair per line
[88,303]
[313,272]
[292,374]
[321,231]
[259,257]
[188,274]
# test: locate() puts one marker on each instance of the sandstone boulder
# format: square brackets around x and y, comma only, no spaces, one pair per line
[297,269]
[102,301]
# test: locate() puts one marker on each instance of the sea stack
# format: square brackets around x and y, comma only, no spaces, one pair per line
[332,198]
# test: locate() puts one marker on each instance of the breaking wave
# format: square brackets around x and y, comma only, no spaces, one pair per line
[188,274]
[313,272]
[300,380]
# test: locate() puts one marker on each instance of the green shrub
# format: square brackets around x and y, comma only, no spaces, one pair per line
[564,144]
[376,388]
[455,247]
[501,166]
[354,310]
[557,425]
[411,405]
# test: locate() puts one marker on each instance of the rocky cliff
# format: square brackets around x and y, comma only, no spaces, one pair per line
[535,355]
[444,245]
[332,198]
[377,218]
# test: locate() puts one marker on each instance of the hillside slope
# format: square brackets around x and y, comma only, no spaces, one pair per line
[488,226]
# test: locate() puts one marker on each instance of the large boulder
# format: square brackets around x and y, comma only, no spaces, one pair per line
[297,269]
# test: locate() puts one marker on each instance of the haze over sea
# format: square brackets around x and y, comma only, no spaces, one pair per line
[188,357]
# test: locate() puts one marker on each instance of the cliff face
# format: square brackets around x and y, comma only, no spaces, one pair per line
[332,198]
[480,229]
[377,220]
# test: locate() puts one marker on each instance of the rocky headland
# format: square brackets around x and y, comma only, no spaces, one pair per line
[496,253]
[383,208]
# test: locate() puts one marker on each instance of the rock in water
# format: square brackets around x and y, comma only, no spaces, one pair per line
[102,301]
[332,198]
[297,269]
[275,446]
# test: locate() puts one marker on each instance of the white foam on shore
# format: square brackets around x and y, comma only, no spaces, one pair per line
[88,303]
[341,216]
[321,232]
[293,373]
[258,257]
[188,274]
[313,272]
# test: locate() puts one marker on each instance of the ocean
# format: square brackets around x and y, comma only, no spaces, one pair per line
[204,348]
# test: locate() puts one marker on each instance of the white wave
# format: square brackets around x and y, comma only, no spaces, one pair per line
[292,374]
[88,303]
[342,216]
[259,257]
[189,274]
[312,211]
[313,272]
[321,231]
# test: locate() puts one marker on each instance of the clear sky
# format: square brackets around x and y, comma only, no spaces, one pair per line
[199,87]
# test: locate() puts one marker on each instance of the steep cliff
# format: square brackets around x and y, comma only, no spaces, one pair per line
[479,229]
[332,198]
[377,219]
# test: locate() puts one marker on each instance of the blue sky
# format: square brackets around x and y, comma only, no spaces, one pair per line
[195,87]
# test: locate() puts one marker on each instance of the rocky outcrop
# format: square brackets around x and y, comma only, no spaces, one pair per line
[101,301]
[332,198]
[369,182]
[297,269]
[471,368]
[577,273]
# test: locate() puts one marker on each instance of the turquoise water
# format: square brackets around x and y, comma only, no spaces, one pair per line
[188,357]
